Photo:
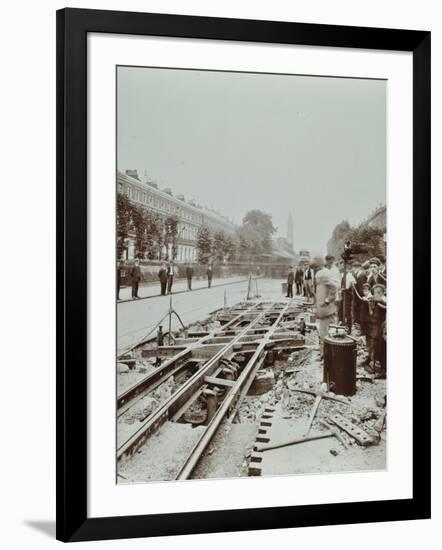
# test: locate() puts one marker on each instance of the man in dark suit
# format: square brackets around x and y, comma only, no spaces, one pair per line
[135,276]
[170,275]
[209,274]
[374,278]
[120,276]
[309,276]
[162,275]
[189,275]
[299,275]
[290,281]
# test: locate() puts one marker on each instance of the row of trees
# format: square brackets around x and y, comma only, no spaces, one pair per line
[214,246]
[251,241]
[153,234]
[151,231]
[366,237]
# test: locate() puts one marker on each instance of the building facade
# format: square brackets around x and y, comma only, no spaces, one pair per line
[190,215]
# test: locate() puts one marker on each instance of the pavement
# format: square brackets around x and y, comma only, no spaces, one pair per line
[136,319]
[316,456]
[150,290]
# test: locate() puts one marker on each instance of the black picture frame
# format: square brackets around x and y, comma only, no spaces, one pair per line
[73,25]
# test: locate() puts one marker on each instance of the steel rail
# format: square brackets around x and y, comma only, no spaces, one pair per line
[232,400]
[175,401]
[140,389]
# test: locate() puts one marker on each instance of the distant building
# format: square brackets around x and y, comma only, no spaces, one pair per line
[190,215]
[304,257]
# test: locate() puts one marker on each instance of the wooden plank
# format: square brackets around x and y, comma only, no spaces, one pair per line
[219,381]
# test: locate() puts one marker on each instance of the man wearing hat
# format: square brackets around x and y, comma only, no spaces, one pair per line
[135,276]
[299,274]
[170,275]
[326,289]
[376,329]
[290,280]
[162,276]
[309,276]
[374,277]
[364,312]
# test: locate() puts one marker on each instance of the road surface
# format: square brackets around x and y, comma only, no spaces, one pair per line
[135,319]
[149,290]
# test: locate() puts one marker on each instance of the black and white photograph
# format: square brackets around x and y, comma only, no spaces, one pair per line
[251,274]
[220,234]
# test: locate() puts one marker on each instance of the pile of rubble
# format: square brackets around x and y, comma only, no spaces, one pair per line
[365,409]
[132,371]
[146,405]
[299,389]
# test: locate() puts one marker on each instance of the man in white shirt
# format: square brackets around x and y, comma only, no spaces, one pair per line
[326,288]
[309,276]
[170,274]
[330,264]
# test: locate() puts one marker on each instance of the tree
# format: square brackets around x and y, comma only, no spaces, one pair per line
[370,239]
[259,230]
[220,246]
[365,240]
[143,224]
[244,246]
[229,248]
[204,244]
[156,230]
[123,223]
[139,223]
[250,242]
[335,245]
[171,234]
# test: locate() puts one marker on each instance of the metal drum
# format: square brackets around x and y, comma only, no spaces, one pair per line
[340,363]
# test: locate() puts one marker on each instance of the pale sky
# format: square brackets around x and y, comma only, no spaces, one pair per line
[315,146]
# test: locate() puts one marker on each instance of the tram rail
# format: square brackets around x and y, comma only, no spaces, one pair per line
[252,332]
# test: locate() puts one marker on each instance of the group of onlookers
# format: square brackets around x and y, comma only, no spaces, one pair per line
[354,295]
[303,279]
[368,310]
[166,276]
